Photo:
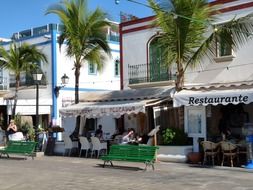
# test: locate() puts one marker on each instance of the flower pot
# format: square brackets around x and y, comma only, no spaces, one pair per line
[194,157]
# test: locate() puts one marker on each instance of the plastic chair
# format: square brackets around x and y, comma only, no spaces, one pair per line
[85,145]
[118,139]
[97,146]
[150,141]
[229,150]
[210,149]
[68,144]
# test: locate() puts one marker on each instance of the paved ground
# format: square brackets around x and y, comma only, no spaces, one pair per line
[53,172]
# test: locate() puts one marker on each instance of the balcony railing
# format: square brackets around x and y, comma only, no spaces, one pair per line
[141,74]
[114,38]
[36,31]
[25,80]
[3,83]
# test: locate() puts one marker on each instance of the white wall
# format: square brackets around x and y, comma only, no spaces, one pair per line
[135,51]
[108,125]
[134,48]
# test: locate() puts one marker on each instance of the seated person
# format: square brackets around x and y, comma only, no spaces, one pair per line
[131,138]
[11,129]
[99,132]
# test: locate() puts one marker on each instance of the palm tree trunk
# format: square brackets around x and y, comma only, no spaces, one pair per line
[77,74]
[13,113]
[180,79]
[180,71]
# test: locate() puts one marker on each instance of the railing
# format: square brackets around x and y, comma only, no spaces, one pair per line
[25,80]
[114,38]
[35,31]
[3,83]
[47,28]
[141,74]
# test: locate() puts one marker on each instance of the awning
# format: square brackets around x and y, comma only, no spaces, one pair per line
[99,109]
[224,96]
[116,103]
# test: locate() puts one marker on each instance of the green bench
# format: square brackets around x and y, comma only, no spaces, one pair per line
[26,148]
[131,153]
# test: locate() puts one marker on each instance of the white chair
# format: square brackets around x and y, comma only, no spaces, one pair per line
[85,145]
[68,144]
[97,146]
[118,139]
[150,141]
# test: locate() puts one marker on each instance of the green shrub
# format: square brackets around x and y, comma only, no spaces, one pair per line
[27,131]
[174,136]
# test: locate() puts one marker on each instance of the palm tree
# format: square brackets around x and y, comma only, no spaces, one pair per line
[85,37]
[18,59]
[188,33]
[84,34]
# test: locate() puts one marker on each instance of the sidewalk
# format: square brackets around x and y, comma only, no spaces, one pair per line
[56,172]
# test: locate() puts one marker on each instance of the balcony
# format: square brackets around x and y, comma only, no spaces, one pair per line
[41,30]
[114,38]
[25,80]
[3,83]
[144,74]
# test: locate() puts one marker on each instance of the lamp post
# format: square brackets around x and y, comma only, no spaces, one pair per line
[37,78]
[64,81]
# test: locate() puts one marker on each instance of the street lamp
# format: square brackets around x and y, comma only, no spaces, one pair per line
[37,78]
[64,81]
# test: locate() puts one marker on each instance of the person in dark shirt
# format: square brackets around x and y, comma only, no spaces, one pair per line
[99,132]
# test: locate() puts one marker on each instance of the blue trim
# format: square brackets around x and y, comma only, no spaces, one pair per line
[115,50]
[54,72]
[83,89]
[43,43]
[37,44]
[112,42]
[25,38]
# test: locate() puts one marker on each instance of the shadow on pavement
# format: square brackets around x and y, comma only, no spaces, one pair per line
[120,167]
[12,158]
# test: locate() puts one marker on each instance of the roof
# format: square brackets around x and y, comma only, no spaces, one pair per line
[116,103]
[130,94]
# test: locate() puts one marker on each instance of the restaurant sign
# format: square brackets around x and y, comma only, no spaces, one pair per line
[193,101]
[212,97]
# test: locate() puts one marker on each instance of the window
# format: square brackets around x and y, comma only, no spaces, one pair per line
[92,69]
[116,67]
[224,47]
[157,67]
[224,52]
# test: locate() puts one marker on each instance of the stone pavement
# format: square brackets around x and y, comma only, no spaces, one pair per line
[70,173]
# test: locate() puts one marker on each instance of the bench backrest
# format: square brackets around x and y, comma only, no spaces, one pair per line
[133,151]
[26,147]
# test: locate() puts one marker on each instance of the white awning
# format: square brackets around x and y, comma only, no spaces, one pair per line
[99,109]
[222,96]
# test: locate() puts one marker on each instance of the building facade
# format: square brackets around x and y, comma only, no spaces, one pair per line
[228,74]
[52,93]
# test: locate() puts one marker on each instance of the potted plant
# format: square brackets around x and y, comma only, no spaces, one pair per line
[175,145]
[174,136]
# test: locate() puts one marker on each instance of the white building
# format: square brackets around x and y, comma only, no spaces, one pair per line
[228,75]
[52,94]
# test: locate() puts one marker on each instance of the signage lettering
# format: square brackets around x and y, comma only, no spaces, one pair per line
[217,100]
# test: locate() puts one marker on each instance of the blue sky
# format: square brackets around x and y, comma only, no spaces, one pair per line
[18,15]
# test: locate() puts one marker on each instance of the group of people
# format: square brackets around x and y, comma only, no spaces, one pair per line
[129,137]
